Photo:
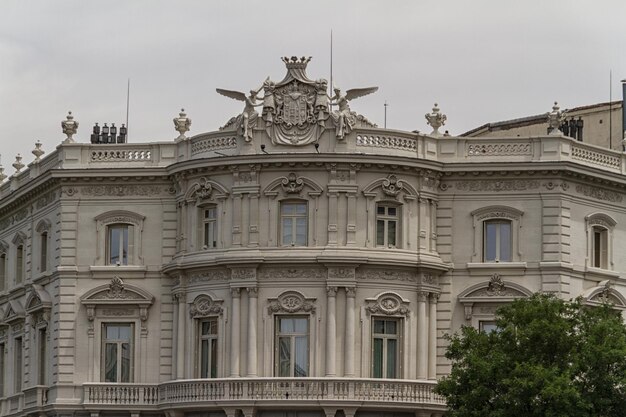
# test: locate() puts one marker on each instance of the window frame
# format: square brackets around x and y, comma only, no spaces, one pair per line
[3,368]
[125,244]
[18,361]
[119,217]
[3,270]
[213,342]
[600,226]
[292,336]
[119,351]
[294,220]
[19,264]
[208,222]
[386,219]
[385,337]
[481,217]
[498,255]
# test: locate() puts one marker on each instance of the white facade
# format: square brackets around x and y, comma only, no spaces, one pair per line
[215,275]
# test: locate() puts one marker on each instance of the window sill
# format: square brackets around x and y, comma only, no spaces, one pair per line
[602,272]
[130,271]
[496,265]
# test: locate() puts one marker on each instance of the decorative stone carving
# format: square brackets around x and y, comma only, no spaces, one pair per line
[38,152]
[204,306]
[292,184]
[123,190]
[247,120]
[204,189]
[243,273]
[389,304]
[341,272]
[555,119]
[18,165]
[436,119]
[206,276]
[182,124]
[70,127]
[292,273]
[391,186]
[343,117]
[500,149]
[496,286]
[497,185]
[387,274]
[118,312]
[350,292]
[599,193]
[551,185]
[291,302]
[45,199]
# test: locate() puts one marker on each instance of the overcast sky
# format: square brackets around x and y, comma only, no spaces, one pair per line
[482,61]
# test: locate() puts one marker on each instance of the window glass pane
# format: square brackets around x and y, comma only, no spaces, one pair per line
[379,326]
[391,327]
[125,246]
[124,331]
[490,241]
[204,359]
[380,210]
[126,363]
[284,356]
[597,248]
[112,332]
[301,367]
[213,358]
[301,231]
[301,325]
[114,245]
[487,326]
[391,211]
[300,208]
[392,347]
[287,231]
[380,232]
[110,362]
[505,242]
[286,325]
[287,208]
[378,358]
[391,239]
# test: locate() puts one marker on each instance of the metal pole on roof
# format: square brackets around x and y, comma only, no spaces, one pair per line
[610,109]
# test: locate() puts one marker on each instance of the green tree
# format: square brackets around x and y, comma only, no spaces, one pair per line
[548,358]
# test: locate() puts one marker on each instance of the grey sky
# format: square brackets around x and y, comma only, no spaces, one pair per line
[480,60]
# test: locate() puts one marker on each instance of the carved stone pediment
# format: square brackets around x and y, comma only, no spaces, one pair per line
[604,293]
[205,306]
[390,188]
[496,290]
[388,304]
[291,302]
[117,293]
[14,312]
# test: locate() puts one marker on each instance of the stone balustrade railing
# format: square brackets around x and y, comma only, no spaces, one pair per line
[316,390]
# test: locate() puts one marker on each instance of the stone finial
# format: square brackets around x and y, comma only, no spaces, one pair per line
[182,124]
[555,118]
[38,151]
[2,174]
[18,165]
[436,119]
[70,127]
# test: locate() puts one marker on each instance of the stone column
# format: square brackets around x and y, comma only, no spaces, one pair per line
[348,367]
[174,336]
[252,325]
[432,336]
[331,330]
[422,336]
[234,332]
[180,337]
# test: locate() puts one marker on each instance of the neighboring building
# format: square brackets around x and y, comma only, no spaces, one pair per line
[598,124]
[297,262]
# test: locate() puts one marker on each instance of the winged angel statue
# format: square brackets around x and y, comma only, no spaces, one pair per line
[247,120]
[344,118]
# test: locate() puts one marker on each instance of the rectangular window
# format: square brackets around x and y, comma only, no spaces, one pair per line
[487,326]
[3,271]
[294,223]
[385,348]
[117,352]
[210,227]
[19,265]
[42,356]
[208,348]
[600,246]
[19,364]
[497,241]
[2,370]
[387,221]
[292,347]
[119,244]
[43,255]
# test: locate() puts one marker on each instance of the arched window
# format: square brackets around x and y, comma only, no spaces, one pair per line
[497,231]
[119,238]
[4,248]
[43,229]
[600,240]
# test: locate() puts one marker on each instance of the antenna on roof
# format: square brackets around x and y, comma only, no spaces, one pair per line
[127,106]
[386,105]
[330,85]
[610,109]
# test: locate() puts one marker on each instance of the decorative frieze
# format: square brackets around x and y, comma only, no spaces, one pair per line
[243,273]
[14,218]
[206,276]
[387,274]
[204,306]
[123,190]
[292,274]
[341,272]
[497,185]
[389,304]
[599,193]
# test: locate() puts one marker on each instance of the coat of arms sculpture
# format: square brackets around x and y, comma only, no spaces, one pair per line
[295,111]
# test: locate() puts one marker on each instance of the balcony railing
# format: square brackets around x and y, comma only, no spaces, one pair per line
[274,390]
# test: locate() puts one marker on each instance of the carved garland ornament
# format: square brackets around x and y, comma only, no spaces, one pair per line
[389,304]
[204,306]
[291,302]
[292,184]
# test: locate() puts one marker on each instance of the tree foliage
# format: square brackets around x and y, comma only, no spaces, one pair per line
[548,358]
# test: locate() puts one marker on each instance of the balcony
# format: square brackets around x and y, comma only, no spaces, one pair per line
[387,393]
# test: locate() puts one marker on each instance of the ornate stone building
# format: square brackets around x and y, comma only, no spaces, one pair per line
[299,261]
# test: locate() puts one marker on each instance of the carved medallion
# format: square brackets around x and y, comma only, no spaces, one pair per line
[291,302]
